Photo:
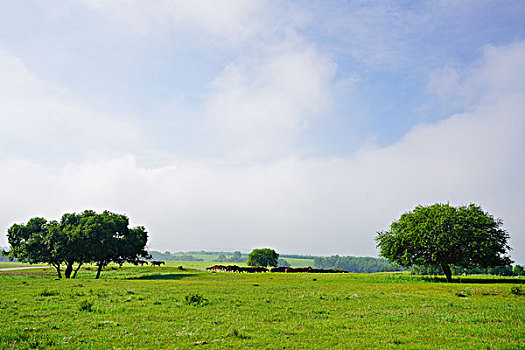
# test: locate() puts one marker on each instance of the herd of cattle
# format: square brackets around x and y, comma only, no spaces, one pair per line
[153,263]
[235,268]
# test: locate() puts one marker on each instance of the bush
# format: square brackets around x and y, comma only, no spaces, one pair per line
[517,290]
[195,300]
[86,305]
[48,293]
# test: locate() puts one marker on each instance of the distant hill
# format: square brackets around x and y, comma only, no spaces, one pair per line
[347,263]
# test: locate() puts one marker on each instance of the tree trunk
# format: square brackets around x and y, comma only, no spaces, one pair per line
[447,272]
[78,268]
[69,269]
[99,270]
[57,266]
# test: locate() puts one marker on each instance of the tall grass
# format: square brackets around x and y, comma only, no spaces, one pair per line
[168,308]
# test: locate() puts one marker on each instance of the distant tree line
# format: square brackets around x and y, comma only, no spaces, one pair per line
[283,263]
[505,270]
[237,257]
[77,239]
[203,252]
[3,255]
[355,264]
[297,256]
[156,255]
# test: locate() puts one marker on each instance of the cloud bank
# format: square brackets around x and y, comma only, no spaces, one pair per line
[294,204]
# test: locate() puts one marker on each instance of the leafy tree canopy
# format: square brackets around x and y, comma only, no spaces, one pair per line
[262,257]
[444,235]
[87,237]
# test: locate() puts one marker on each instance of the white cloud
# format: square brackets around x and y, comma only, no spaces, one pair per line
[498,74]
[39,120]
[258,105]
[230,20]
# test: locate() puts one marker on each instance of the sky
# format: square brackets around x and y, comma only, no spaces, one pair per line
[303,126]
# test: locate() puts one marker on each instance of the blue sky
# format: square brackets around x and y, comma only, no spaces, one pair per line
[304,126]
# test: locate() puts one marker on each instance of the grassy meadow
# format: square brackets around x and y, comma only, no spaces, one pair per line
[169,308]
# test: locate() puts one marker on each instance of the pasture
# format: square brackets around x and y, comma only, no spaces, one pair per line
[168,308]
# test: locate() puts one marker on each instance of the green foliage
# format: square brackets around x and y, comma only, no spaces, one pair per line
[85,305]
[195,300]
[444,235]
[355,264]
[82,238]
[463,294]
[283,263]
[49,292]
[262,257]
[458,270]
[517,290]
[518,270]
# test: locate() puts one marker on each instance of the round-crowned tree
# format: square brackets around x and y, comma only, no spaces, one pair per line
[262,257]
[444,235]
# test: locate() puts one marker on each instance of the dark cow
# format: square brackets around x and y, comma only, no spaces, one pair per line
[298,269]
[233,268]
[157,263]
[141,262]
[216,267]
[253,269]
[279,269]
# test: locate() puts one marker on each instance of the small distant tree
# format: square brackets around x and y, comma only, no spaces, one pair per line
[518,270]
[283,263]
[262,257]
[443,235]
[237,257]
[221,258]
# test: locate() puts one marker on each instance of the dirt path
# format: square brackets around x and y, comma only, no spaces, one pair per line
[23,268]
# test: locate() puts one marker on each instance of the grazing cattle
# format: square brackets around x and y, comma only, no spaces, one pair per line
[233,268]
[141,262]
[278,269]
[298,269]
[252,269]
[157,263]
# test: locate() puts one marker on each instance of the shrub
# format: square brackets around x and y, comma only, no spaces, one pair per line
[48,293]
[195,300]
[237,334]
[463,294]
[86,305]
[517,290]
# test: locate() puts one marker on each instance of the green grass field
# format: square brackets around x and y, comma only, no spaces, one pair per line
[169,308]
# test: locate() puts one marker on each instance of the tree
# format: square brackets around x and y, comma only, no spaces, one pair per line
[35,242]
[443,235]
[283,263]
[108,239]
[237,257]
[518,270]
[262,257]
[78,238]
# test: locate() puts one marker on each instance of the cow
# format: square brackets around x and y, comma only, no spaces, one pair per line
[157,263]
[216,267]
[141,262]
[233,268]
[298,269]
[278,269]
